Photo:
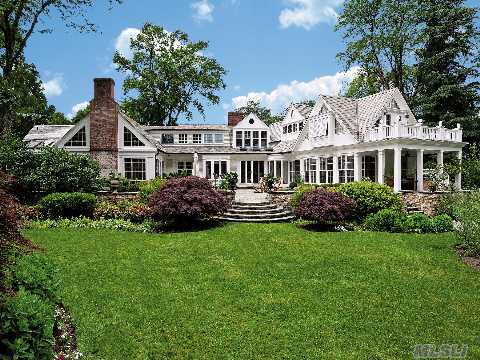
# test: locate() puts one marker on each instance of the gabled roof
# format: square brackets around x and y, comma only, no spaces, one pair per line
[345,110]
[275,131]
[46,135]
[303,109]
[197,127]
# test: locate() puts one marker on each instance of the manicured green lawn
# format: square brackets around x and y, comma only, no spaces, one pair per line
[248,291]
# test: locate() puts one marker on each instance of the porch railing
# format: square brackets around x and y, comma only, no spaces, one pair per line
[414,132]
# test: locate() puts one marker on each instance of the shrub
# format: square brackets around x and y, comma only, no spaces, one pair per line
[467,211]
[229,181]
[388,220]
[269,183]
[419,223]
[370,197]
[325,207]
[442,223]
[51,169]
[297,181]
[26,327]
[128,210]
[68,205]
[186,198]
[300,191]
[147,188]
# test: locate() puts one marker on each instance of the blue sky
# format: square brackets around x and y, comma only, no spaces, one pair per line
[274,50]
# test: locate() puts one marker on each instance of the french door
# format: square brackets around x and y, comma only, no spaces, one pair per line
[251,171]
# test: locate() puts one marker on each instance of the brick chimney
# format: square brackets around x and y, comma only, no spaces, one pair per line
[104,125]
[234,118]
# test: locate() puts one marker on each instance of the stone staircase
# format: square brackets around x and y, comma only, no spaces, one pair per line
[256,212]
[413,210]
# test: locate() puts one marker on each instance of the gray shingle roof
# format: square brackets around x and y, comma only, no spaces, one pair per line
[203,149]
[188,127]
[284,146]
[304,109]
[45,135]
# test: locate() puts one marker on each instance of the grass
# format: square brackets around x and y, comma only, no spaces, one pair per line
[260,291]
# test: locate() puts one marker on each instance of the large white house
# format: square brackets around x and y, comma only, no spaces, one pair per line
[337,140]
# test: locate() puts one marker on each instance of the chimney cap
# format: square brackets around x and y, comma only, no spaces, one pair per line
[103,88]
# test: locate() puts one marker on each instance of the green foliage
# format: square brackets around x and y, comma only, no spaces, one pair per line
[379,35]
[26,327]
[81,114]
[86,223]
[170,76]
[229,181]
[130,210]
[388,220]
[467,212]
[297,181]
[471,168]
[263,113]
[269,183]
[67,205]
[49,170]
[448,66]
[370,197]
[147,188]
[299,192]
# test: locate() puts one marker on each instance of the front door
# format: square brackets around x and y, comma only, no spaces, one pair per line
[251,171]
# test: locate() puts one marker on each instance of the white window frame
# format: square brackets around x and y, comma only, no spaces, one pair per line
[208,138]
[130,173]
[325,170]
[211,164]
[310,166]
[346,171]
[183,138]
[185,165]
[197,138]
[218,138]
[83,132]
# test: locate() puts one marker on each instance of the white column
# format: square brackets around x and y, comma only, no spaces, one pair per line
[336,176]
[458,177]
[381,166]
[440,158]
[318,170]
[195,165]
[397,169]
[440,167]
[420,170]
[357,167]
[302,169]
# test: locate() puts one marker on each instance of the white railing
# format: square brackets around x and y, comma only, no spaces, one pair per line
[414,132]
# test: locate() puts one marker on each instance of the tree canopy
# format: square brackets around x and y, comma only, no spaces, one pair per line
[263,113]
[168,76]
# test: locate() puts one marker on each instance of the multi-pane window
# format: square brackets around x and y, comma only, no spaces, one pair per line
[247,140]
[285,129]
[79,139]
[129,139]
[263,139]
[185,166]
[310,166]
[295,127]
[345,168]
[290,128]
[182,138]
[255,139]
[208,138]
[197,138]
[300,126]
[135,169]
[326,170]
[218,138]
[215,169]
[167,138]
[294,170]
[238,139]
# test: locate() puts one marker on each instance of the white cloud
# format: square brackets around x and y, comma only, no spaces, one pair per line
[308,13]
[203,10]
[284,94]
[122,43]
[54,86]
[76,108]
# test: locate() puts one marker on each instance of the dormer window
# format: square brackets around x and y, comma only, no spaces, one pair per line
[263,139]
[167,138]
[388,120]
[79,139]
[284,129]
[300,126]
[182,138]
[295,127]
[289,129]
[129,139]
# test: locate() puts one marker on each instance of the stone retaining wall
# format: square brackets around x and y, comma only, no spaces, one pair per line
[427,202]
[281,198]
[117,196]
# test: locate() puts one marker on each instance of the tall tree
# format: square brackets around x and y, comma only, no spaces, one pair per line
[167,76]
[380,36]
[19,21]
[263,113]
[448,66]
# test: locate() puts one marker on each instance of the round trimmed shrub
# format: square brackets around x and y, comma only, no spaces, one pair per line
[420,223]
[370,197]
[442,223]
[388,220]
[325,207]
[68,205]
[186,199]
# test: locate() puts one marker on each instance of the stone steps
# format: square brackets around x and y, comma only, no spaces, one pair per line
[256,212]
